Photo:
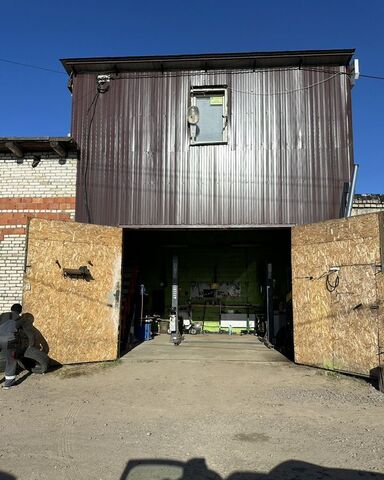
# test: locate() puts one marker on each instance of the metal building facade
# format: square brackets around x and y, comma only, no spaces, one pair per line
[288,156]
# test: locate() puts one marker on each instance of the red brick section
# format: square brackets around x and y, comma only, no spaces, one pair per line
[11,231]
[31,203]
[21,218]
[13,218]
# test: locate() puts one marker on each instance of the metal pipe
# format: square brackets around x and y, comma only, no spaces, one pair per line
[174,317]
[142,290]
[175,286]
[352,191]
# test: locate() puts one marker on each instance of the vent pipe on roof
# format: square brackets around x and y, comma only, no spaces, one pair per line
[356,69]
[352,191]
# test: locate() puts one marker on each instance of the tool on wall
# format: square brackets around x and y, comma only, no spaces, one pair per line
[78,273]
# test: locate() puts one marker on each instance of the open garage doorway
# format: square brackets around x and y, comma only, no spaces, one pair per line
[229,281]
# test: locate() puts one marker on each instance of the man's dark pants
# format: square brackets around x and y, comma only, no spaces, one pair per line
[9,348]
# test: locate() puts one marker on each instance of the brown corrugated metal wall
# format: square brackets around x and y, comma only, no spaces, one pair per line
[286,161]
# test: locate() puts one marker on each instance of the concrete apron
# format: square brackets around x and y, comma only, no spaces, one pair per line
[227,348]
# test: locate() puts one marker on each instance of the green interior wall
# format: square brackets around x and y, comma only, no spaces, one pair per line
[210,257]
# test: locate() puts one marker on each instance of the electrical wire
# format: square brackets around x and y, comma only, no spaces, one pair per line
[179,74]
[371,76]
[80,99]
[309,69]
[86,167]
[232,72]
[331,287]
[119,76]
[32,66]
[215,72]
[283,92]
[237,72]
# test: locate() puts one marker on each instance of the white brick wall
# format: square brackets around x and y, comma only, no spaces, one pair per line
[48,179]
[367,203]
[362,210]
[12,254]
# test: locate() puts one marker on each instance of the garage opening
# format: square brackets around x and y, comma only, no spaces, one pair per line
[229,281]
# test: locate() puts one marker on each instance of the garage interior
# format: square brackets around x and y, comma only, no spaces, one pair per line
[228,280]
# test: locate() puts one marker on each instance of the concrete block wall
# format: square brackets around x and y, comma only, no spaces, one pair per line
[46,191]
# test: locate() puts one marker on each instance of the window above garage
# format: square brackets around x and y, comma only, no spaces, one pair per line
[208,115]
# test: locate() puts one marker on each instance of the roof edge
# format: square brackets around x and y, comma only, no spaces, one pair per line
[37,139]
[20,146]
[209,60]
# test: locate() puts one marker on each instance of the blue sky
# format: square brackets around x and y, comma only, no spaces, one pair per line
[37,103]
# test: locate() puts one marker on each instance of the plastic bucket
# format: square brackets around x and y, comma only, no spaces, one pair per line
[147,331]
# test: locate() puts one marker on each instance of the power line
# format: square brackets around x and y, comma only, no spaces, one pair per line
[284,92]
[148,75]
[31,66]
[309,69]
[215,72]
[372,76]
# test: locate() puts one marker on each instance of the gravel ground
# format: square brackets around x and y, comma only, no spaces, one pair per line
[225,408]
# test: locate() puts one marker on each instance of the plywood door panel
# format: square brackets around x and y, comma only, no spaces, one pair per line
[79,319]
[380,294]
[337,329]
[355,325]
[313,320]
[380,316]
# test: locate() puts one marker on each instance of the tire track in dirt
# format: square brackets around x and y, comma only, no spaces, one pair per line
[65,442]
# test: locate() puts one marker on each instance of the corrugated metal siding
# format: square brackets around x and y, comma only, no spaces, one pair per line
[286,161]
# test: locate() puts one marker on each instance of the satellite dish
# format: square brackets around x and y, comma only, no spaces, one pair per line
[193,115]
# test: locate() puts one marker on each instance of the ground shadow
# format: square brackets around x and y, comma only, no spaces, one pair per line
[125,349]
[6,476]
[134,340]
[22,378]
[196,469]
[35,337]
[33,348]
[377,378]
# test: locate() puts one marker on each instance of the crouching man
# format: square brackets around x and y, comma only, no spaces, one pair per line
[10,322]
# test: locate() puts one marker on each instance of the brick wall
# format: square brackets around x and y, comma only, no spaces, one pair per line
[47,191]
[367,203]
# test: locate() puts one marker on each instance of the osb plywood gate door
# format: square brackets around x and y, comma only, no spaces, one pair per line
[337,299]
[78,317]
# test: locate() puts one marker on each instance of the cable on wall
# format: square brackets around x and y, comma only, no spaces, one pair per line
[86,167]
[284,92]
[331,287]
